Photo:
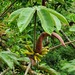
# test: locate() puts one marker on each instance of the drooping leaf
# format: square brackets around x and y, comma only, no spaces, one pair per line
[60,17]
[25,18]
[9,58]
[46,19]
[14,15]
[57,22]
[72,28]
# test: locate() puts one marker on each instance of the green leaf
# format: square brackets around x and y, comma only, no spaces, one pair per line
[26,59]
[60,17]
[7,59]
[57,22]
[72,17]
[25,18]
[72,28]
[46,19]
[14,15]
[49,70]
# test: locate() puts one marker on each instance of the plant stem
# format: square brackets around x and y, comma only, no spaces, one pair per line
[1,15]
[43,2]
[67,38]
[66,43]
[27,69]
[35,15]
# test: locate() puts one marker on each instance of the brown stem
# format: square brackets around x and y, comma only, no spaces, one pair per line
[43,2]
[66,43]
[58,37]
[39,42]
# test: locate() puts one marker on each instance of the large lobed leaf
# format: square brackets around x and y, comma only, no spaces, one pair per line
[59,16]
[46,19]
[25,18]
[15,15]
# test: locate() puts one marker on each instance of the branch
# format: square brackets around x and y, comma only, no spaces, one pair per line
[67,38]
[7,9]
[5,71]
[66,43]
[31,72]
[27,69]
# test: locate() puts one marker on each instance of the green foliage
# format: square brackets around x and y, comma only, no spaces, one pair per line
[47,16]
[46,19]
[69,67]
[11,58]
[56,61]
[45,67]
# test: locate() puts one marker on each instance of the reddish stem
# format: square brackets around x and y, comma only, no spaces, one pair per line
[43,2]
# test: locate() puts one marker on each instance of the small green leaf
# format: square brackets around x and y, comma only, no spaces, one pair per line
[14,15]
[46,19]
[57,22]
[72,28]
[25,18]
[26,59]
[60,17]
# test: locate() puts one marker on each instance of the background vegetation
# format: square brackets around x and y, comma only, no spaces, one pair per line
[58,61]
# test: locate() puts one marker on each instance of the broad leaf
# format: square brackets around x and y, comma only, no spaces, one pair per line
[14,15]
[72,28]
[46,19]
[9,58]
[25,18]
[60,17]
[57,22]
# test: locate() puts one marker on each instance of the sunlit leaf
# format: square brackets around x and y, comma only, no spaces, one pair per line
[25,18]
[57,22]
[60,17]
[14,15]
[9,58]
[46,19]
